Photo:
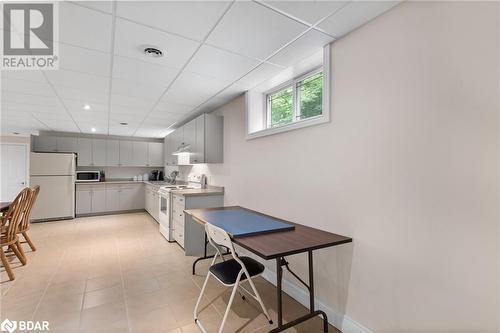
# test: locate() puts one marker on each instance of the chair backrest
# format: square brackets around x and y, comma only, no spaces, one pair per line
[14,216]
[33,194]
[219,237]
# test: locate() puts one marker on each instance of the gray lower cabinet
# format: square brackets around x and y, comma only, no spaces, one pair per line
[99,200]
[152,201]
[112,198]
[106,198]
[83,200]
[186,231]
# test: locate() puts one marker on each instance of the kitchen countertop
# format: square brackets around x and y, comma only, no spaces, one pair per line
[124,181]
[199,191]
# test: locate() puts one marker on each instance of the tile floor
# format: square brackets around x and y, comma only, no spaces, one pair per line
[116,273]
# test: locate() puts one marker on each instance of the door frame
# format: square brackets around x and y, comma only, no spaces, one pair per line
[27,146]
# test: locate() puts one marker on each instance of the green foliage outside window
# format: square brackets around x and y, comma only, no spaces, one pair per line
[310,101]
[311,96]
[281,107]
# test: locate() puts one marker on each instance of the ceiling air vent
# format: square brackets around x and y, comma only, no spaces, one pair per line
[153,52]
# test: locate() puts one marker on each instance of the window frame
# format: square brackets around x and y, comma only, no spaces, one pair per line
[293,83]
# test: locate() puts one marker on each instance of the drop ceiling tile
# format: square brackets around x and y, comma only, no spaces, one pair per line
[310,43]
[253,30]
[159,122]
[84,27]
[353,15]
[131,39]
[192,19]
[32,75]
[264,72]
[27,87]
[193,89]
[173,117]
[30,99]
[101,127]
[84,96]
[77,106]
[122,130]
[143,72]
[171,107]
[84,60]
[35,108]
[89,117]
[78,80]
[308,11]
[223,65]
[105,6]
[133,104]
[135,89]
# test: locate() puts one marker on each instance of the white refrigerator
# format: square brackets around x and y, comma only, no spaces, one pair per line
[55,174]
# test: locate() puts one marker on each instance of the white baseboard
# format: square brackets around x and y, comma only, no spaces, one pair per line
[340,321]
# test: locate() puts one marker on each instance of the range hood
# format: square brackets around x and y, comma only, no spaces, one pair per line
[185,149]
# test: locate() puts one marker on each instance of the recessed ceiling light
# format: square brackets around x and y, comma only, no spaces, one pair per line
[93,129]
[124,124]
[153,52]
[86,107]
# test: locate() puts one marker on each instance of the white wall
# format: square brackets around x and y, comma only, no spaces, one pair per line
[408,166]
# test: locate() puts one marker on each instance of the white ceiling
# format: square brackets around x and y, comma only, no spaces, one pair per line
[213,51]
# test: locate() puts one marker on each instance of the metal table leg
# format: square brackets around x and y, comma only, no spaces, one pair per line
[313,313]
[205,256]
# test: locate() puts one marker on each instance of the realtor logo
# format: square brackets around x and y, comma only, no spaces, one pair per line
[8,326]
[29,31]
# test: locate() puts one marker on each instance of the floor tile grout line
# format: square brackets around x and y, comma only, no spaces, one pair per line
[48,285]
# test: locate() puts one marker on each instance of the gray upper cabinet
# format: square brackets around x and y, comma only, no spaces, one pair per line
[99,152]
[189,135]
[155,154]
[140,153]
[204,136]
[112,152]
[126,153]
[102,152]
[84,151]
[167,148]
[45,143]
[67,144]
[198,152]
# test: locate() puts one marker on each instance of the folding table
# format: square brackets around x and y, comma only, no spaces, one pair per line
[281,239]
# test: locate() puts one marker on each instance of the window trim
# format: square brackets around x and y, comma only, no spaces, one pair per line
[252,96]
[293,83]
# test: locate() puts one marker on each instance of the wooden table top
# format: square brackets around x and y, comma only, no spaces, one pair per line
[4,205]
[279,244]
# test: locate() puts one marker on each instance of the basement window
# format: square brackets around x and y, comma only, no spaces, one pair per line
[297,100]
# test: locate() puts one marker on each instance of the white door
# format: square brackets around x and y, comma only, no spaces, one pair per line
[13,173]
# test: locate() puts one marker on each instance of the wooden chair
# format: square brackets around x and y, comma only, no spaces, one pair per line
[10,222]
[25,225]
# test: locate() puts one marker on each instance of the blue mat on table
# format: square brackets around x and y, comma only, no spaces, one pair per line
[239,222]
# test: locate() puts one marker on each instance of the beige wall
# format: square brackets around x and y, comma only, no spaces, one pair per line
[408,166]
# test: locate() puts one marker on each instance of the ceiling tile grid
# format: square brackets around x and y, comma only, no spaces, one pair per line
[212,52]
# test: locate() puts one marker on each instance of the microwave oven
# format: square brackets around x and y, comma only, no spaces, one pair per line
[88,176]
